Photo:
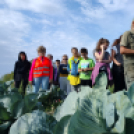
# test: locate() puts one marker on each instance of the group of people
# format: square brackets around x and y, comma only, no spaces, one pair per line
[80,70]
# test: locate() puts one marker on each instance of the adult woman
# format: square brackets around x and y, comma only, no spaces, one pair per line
[118,68]
[41,71]
[21,71]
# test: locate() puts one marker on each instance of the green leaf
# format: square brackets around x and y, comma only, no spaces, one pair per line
[4,115]
[131,93]
[87,119]
[62,126]
[36,122]
[101,82]
[5,126]
[71,103]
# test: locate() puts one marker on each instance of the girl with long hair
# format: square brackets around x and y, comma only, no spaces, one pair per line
[103,60]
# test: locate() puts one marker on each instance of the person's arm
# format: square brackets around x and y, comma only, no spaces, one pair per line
[124,45]
[89,69]
[51,72]
[31,71]
[113,58]
[68,67]
[79,68]
[124,50]
[100,56]
[107,61]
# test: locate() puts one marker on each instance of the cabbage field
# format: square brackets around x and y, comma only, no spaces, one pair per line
[92,111]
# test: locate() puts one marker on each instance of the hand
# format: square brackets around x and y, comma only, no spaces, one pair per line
[50,81]
[82,70]
[102,47]
[86,69]
[118,64]
[30,82]
[99,61]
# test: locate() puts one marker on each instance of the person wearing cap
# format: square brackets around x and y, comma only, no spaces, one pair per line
[127,50]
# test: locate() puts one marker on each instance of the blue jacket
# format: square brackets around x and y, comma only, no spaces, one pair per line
[73,66]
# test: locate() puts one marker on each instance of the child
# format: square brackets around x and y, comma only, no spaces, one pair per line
[41,71]
[73,69]
[85,66]
[103,60]
[56,73]
[21,71]
[64,83]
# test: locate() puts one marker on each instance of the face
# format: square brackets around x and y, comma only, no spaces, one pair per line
[75,52]
[84,55]
[23,57]
[41,54]
[57,64]
[132,26]
[50,57]
[65,59]
[106,45]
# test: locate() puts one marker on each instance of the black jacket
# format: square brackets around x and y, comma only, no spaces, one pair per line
[21,69]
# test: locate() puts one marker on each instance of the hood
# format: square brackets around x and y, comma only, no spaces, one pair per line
[19,58]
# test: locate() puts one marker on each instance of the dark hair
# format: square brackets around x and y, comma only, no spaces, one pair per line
[50,55]
[58,61]
[117,41]
[22,53]
[74,48]
[84,50]
[100,42]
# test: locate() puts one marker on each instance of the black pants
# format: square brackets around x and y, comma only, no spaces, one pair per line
[118,78]
[86,83]
[24,84]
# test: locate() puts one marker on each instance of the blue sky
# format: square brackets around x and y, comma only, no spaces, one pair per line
[58,25]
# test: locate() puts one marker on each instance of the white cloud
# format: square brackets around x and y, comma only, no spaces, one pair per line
[114,5]
[51,24]
[51,7]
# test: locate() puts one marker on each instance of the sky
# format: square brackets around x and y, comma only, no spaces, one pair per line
[58,25]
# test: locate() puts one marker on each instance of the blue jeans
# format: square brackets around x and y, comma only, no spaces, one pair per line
[44,81]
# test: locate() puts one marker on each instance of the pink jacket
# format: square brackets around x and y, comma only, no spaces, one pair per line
[32,68]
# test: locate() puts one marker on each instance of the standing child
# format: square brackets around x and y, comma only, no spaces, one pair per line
[21,71]
[85,66]
[64,83]
[103,60]
[56,73]
[41,71]
[73,69]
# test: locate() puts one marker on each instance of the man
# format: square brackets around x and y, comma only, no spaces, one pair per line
[127,49]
